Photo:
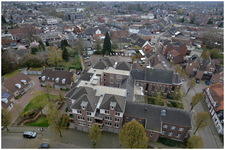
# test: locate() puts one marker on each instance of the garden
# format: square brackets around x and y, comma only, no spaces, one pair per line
[153,101]
[175,104]
[172,143]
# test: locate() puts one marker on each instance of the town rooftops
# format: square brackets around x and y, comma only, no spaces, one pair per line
[16,79]
[140,42]
[219,68]
[144,32]
[152,114]
[80,91]
[72,36]
[207,61]
[193,58]
[56,76]
[159,75]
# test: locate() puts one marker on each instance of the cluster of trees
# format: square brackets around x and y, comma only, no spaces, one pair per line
[180,71]
[54,56]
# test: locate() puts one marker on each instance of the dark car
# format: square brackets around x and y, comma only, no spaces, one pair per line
[197,81]
[29,134]
[44,145]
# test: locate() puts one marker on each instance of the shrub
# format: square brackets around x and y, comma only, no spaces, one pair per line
[64,89]
[32,114]
[26,113]
[168,142]
[66,109]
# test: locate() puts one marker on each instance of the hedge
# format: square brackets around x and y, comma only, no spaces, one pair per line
[20,95]
[29,117]
[32,120]
[64,89]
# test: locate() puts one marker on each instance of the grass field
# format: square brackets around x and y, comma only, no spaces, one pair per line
[34,104]
[41,122]
[11,74]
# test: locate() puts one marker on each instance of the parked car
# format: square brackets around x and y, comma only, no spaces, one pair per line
[197,80]
[129,61]
[44,145]
[207,82]
[29,134]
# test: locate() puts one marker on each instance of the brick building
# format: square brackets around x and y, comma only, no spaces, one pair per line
[214,98]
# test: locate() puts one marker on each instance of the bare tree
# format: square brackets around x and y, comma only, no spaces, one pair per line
[30,33]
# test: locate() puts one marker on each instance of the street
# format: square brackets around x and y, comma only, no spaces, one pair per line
[209,134]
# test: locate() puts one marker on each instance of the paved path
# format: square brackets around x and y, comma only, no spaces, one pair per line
[25,99]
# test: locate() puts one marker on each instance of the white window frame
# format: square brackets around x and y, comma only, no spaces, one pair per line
[178,135]
[163,132]
[116,125]
[79,111]
[89,119]
[89,125]
[181,129]
[108,118]
[80,118]
[170,134]
[117,114]
[173,128]
[119,76]
[107,112]
[81,123]
[111,76]
[108,124]
[165,126]
[151,134]
[117,120]
[88,114]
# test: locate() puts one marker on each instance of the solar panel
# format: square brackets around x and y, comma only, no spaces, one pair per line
[5,95]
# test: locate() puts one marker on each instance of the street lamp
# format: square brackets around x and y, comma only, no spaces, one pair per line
[41,131]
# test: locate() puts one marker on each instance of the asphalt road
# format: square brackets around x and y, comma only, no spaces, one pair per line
[208,134]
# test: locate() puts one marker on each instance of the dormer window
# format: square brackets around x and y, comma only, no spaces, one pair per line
[117,114]
[107,112]
[112,107]
[83,107]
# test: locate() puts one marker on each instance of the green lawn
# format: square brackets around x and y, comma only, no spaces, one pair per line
[152,101]
[65,64]
[11,74]
[41,122]
[33,104]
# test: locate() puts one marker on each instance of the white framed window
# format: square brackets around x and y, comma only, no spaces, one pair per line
[89,125]
[112,107]
[127,119]
[178,135]
[107,112]
[118,76]
[190,64]
[104,80]
[108,123]
[221,77]
[181,129]
[151,134]
[163,132]
[83,107]
[80,118]
[133,119]
[111,76]
[118,81]
[81,123]
[117,114]
[79,111]
[89,119]
[165,126]
[170,134]
[116,125]
[108,118]
[140,121]
[137,83]
[111,80]
[88,113]
[117,120]
[111,85]
[104,75]
[173,128]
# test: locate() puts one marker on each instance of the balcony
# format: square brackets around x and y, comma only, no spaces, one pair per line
[98,116]
[100,122]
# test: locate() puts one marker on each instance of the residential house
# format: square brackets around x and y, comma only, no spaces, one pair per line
[72,16]
[218,75]
[214,98]
[77,30]
[17,84]
[52,21]
[56,79]
[159,121]
[87,45]
[145,34]
[72,38]
[92,31]
[193,64]
[7,100]
[115,35]
[62,27]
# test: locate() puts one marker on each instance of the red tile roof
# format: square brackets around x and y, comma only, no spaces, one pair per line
[97,35]
[174,52]
[217,93]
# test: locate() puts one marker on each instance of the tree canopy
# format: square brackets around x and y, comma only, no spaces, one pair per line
[65,55]
[195,141]
[204,54]
[54,56]
[201,120]
[180,12]
[198,97]
[132,135]
[190,85]
[94,133]
[107,44]
[6,118]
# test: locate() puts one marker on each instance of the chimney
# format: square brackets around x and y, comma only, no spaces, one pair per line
[145,108]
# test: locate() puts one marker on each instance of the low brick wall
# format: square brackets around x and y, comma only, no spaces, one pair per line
[32,120]
[28,117]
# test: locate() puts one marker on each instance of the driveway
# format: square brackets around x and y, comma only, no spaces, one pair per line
[25,99]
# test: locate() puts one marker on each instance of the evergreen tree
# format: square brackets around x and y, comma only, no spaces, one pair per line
[65,55]
[107,44]
[3,19]
[47,44]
